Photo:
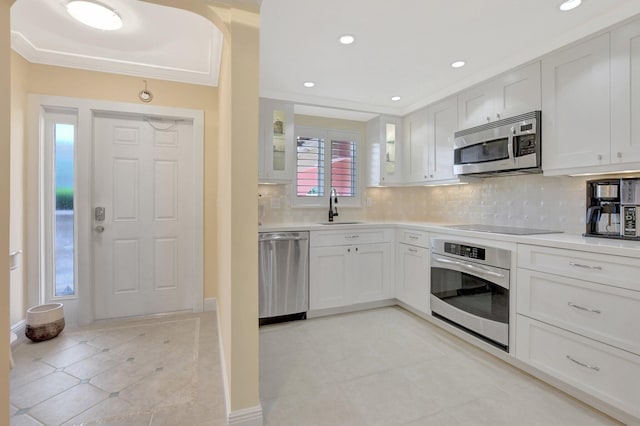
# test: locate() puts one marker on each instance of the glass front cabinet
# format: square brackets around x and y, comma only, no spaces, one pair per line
[383,143]
[276,141]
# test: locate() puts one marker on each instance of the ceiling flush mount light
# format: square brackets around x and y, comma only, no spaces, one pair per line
[94,15]
[308,84]
[347,39]
[570,4]
[458,64]
[395,98]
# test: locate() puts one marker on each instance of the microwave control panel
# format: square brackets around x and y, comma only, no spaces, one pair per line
[465,251]
[524,144]
[630,221]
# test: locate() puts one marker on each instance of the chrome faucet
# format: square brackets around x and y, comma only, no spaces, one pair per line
[333,199]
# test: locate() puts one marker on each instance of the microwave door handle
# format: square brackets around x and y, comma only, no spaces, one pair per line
[511,148]
[470,267]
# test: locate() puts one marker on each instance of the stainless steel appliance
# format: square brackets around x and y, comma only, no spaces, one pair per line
[470,288]
[508,146]
[283,276]
[612,208]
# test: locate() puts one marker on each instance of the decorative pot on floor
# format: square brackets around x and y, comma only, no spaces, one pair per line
[44,322]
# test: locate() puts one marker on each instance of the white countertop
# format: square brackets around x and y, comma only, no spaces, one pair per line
[565,241]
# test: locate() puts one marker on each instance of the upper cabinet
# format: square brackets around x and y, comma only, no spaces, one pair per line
[428,143]
[384,135]
[513,93]
[276,162]
[576,120]
[625,94]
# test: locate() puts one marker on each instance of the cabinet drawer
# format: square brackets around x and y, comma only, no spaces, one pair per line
[356,236]
[601,268]
[607,373]
[604,313]
[413,237]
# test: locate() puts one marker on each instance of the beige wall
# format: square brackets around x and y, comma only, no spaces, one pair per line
[19,79]
[5,122]
[238,179]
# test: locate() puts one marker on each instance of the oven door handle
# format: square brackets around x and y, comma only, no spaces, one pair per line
[470,267]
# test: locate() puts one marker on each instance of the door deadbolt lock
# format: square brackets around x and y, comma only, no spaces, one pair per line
[99,229]
[99,214]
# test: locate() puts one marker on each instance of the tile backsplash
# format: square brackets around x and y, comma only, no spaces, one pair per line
[531,201]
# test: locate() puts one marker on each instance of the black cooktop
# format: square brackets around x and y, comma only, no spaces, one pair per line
[495,229]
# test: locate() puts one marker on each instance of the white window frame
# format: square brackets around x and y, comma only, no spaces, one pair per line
[328,135]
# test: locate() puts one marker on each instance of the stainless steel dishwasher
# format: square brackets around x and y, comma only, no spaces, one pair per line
[283,276]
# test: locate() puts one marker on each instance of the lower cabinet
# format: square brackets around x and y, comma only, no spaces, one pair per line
[608,373]
[412,276]
[349,274]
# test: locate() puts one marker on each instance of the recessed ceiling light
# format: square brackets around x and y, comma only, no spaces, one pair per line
[94,15]
[308,84]
[395,98]
[347,39]
[458,64]
[570,4]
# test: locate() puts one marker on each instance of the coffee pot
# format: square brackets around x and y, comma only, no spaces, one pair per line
[603,208]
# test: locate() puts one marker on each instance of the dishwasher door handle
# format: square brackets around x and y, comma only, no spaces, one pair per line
[282,238]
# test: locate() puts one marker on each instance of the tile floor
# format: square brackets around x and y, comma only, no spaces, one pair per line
[389,367]
[159,371]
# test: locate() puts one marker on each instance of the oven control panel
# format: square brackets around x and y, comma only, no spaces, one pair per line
[465,251]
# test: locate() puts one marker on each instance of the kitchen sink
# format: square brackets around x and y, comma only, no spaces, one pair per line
[339,223]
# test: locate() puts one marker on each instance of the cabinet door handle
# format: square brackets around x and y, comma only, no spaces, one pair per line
[582,364]
[579,265]
[412,237]
[582,308]
[412,250]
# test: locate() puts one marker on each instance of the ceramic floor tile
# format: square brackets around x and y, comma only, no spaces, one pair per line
[125,375]
[24,420]
[395,368]
[167,366]
[111,408]
[30,350]
[326,406]
[70,355]
[388,398]
[94,365]
[27,370]
[37,391]
[68,404]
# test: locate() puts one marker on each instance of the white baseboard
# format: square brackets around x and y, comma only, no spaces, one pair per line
[223,364]
[210,304]
[246,417]
[19,329]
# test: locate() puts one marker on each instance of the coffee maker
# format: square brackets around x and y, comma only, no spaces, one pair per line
[603,208]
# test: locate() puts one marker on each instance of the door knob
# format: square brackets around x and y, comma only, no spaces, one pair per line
[99,229]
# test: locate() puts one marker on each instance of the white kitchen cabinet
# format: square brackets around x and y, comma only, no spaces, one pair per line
[574,311]
[576,120]
[428,143]
[510,94]
[369,268]
[611,375]
[416,143]
[349,267]
[277,156]
[328,277]
[384,146]
[625,94]
[412,276]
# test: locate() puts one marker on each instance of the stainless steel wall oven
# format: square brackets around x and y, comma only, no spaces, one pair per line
[470,288]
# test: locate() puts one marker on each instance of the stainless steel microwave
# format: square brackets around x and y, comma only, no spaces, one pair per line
[508,146]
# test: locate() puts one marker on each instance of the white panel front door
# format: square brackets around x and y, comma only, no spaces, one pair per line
[144,255]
